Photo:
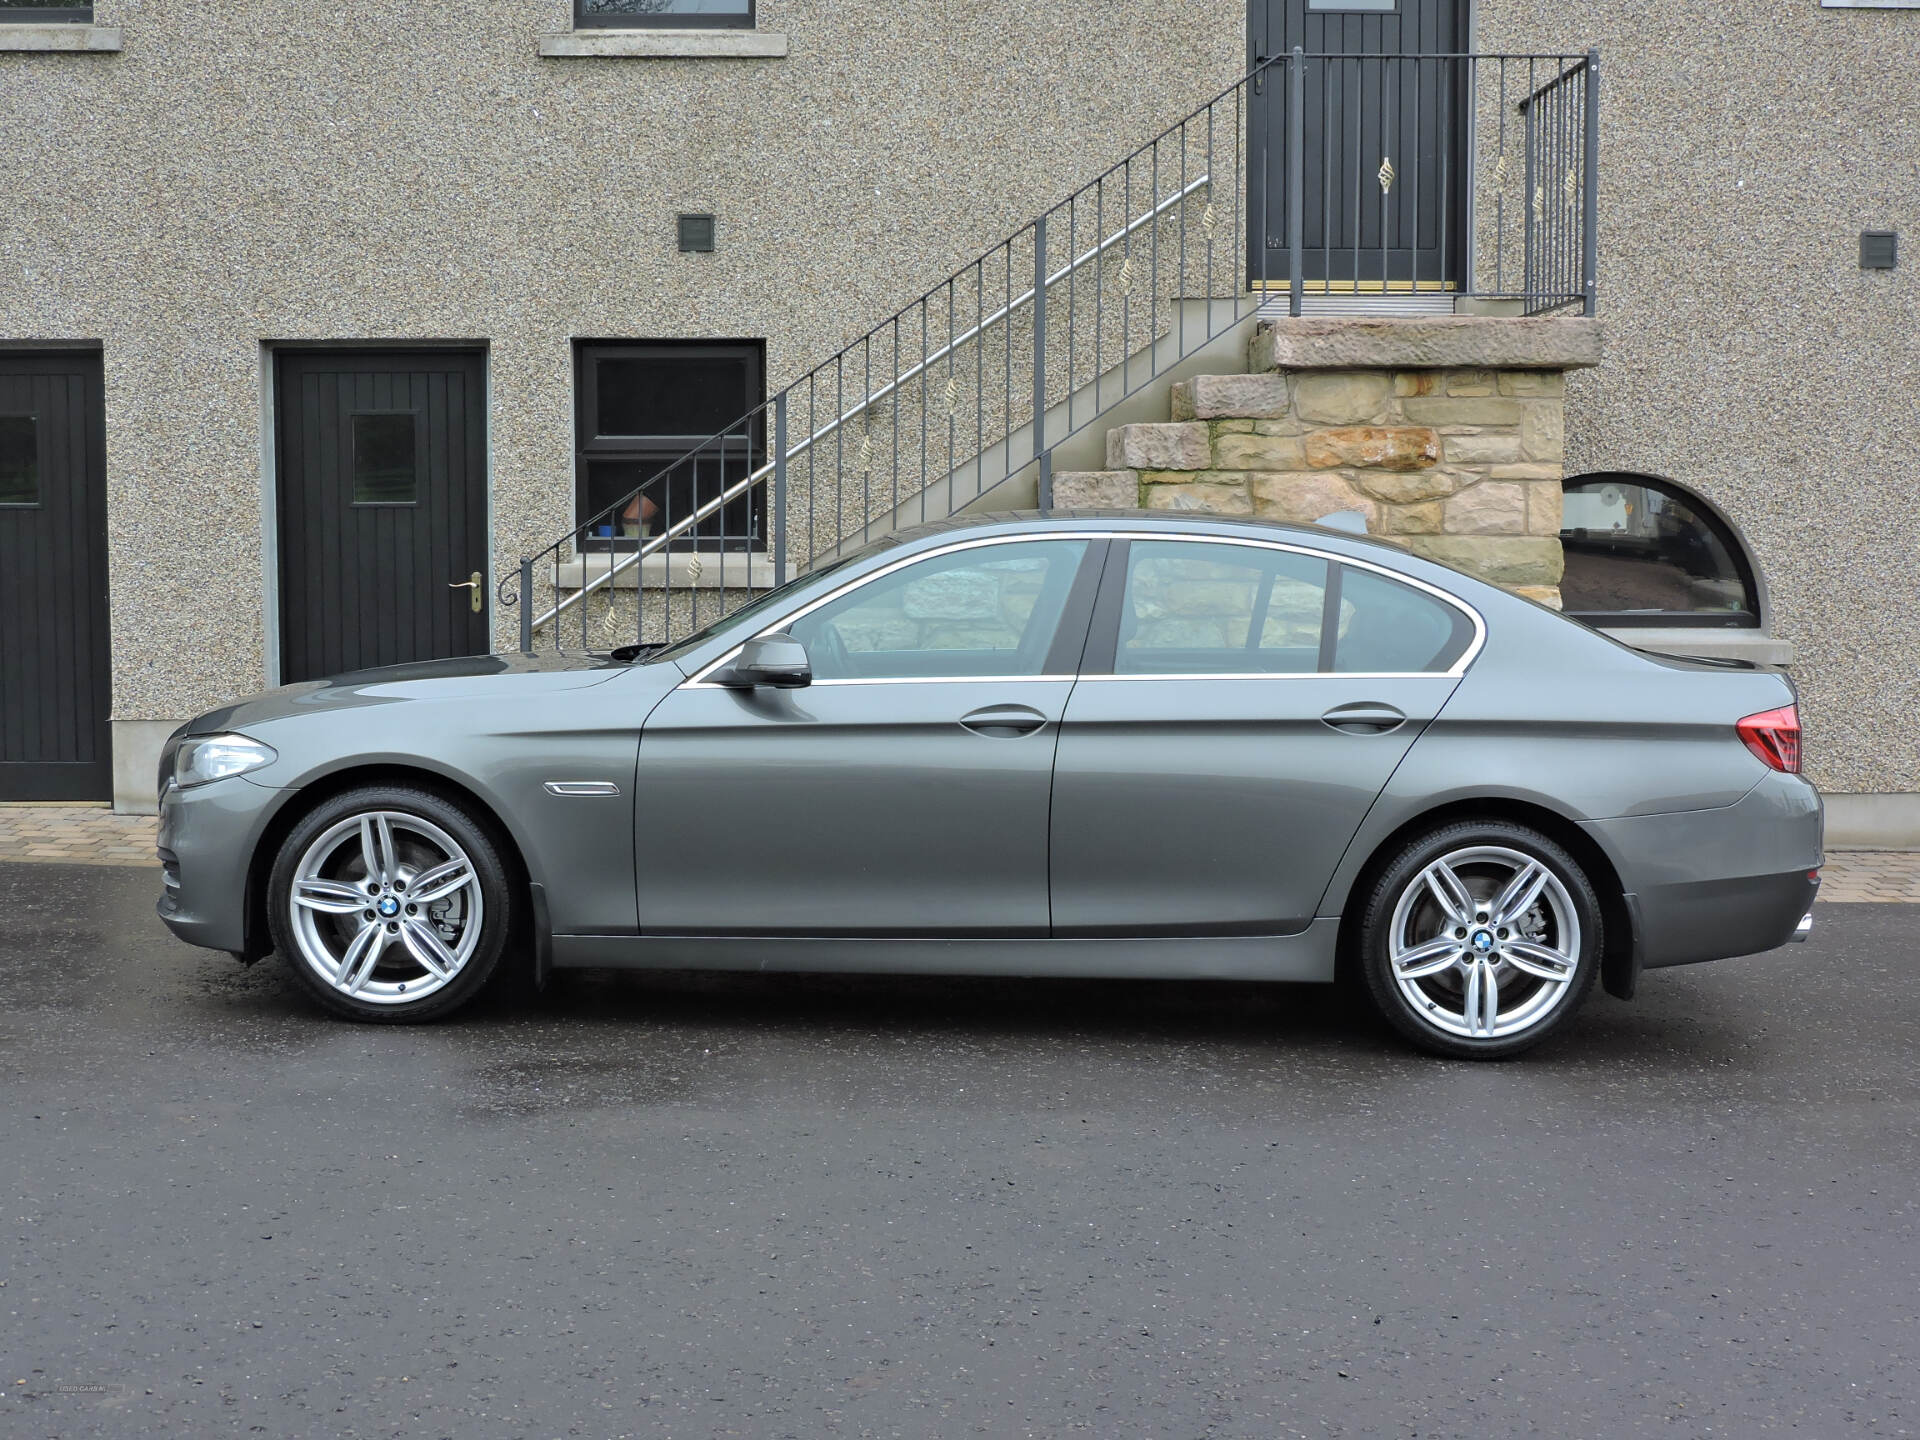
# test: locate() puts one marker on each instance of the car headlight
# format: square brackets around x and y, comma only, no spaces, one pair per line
[214,757]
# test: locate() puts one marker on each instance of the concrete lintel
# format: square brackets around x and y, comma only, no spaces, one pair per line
[1714,644]
[665,44]
[61,38]
[1438,342]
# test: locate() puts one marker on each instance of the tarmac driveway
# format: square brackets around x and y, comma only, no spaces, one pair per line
[692,1206]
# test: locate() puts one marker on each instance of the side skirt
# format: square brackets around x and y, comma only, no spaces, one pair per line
[1306,956]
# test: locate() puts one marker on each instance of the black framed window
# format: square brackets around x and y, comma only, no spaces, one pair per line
[676,14]
[664,419]
[39,12]
[1641,551]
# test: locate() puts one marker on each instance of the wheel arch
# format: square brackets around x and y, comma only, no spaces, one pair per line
[1620,939]
[317,792]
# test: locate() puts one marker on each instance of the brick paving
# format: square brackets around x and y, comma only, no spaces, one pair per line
[86,835]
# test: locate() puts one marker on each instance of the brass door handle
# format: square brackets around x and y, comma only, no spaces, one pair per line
[473,584]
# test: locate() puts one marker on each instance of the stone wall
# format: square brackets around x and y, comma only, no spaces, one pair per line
[1460,463]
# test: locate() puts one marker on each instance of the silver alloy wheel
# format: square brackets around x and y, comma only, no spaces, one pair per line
[1485,943]
[386,907]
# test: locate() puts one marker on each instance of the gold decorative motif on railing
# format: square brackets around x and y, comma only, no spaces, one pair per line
[1502,172]
[1125,277]
[1572,186]
[694,568]
[863,452]
[950,396]
[1387,173]
[1209,220]
[610,625]
[1539,203]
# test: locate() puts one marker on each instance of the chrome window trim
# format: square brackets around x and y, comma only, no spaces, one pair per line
[1455,671]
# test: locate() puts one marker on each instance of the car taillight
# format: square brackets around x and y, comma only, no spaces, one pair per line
[1774,735]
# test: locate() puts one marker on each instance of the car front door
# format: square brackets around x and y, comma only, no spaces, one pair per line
[1242,706]
[904,792]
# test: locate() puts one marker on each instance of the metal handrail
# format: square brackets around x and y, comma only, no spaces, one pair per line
[742,486]
[1115,326]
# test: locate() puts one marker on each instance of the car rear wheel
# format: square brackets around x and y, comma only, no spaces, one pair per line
[391,904]
[1480,939]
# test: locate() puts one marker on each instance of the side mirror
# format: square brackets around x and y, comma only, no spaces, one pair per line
[776,660]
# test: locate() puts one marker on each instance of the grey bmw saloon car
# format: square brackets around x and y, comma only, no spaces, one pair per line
[1077,745]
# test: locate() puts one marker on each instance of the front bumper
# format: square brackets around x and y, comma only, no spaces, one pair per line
[1712,884]
[207,838]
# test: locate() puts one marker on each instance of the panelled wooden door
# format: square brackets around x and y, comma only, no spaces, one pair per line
[1360,112]
[382,508]
[54,694]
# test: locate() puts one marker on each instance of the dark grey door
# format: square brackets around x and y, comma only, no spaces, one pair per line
[1394,96]
[53,580]
[904,792]
[383,508]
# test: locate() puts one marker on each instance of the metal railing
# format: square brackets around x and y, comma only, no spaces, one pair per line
[1482,188]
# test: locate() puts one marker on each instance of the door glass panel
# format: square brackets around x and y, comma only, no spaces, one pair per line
[19,460]
[1196,609]
[1387,628]
[992,610]
[1353,4]
[384,451]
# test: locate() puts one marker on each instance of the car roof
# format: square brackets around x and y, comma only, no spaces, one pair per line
[1178,522]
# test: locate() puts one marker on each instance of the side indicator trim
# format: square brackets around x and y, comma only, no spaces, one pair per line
[582,787]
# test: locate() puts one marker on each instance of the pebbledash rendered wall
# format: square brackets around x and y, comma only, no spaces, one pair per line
[254,171]
[1745,144]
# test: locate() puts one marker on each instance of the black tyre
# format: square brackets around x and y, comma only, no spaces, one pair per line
[1480,939]
[391,904]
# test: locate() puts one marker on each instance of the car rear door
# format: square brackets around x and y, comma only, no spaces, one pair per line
[1241,707]
[905,791]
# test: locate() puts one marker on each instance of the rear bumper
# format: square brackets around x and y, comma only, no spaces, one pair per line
[1711,884]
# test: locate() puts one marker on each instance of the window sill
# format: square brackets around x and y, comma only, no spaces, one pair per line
[741,570]
[61,38]
[1714,644]
[665,45]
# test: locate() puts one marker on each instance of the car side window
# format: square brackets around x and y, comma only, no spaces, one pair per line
[1192,608]
[987,610]
[1389,628]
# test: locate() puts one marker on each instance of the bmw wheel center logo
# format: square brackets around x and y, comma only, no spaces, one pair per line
[389,906]
[1482,941]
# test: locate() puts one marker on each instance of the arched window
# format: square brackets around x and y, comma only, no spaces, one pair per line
[1642,551]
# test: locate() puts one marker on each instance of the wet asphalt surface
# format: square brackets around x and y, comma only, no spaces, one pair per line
[697,1206]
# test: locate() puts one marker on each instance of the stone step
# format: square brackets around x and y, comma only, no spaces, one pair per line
[1096,490]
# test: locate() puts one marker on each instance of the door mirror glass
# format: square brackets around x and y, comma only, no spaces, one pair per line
[776,660]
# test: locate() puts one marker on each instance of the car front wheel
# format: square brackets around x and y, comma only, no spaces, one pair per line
[391,904]
[1480,939]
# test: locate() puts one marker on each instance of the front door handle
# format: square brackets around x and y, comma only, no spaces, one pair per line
[1365,717]
[472,584]
[1003,722]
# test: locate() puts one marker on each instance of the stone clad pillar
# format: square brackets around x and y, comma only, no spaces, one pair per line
[1443,435]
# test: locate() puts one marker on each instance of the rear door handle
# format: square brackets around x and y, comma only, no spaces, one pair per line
[1003,722]
[1365,717]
